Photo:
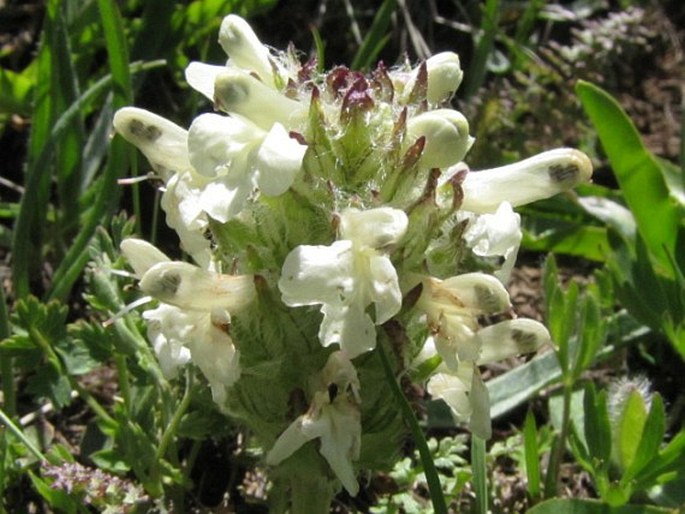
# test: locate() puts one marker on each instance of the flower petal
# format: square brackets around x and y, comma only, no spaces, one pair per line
[374,228]
[141,255]
[215,142]
[168,327]
[190,287]
[201,77]
[385,288]
[318,274]
[498,234]
[480,423]
[349,326]
[244,48]
[278,160]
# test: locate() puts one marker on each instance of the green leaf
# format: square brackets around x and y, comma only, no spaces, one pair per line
[638,173]
[597,425]
[16,90]
[629,428]
[670,459]
[569,506]
[651,436]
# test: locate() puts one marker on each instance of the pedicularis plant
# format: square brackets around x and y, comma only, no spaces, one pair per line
[332,225]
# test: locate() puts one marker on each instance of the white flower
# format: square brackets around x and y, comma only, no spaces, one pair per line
[333,418]
[347,276]
[180,335]
[466,395]
[245,52]
[191,322]
[495,235]
[461,386]
[236,157]
[452,307]
[532,179]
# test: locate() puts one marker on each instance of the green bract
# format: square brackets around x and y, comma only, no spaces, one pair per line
[327,214]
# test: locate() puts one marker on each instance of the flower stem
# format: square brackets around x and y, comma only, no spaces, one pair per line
[432,478]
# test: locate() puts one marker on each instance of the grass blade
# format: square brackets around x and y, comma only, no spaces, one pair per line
[480,479]
[375,38]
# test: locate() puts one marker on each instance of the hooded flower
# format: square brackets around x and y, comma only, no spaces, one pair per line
[193,316]
[535,178]
[235,157]
[348,276]
[333,418]
[462,387]
[453,308]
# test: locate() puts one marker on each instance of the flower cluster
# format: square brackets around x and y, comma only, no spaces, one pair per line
[340,203]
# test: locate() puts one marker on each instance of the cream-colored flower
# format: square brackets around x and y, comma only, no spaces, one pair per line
[348,276]
[191,322]
[334,418]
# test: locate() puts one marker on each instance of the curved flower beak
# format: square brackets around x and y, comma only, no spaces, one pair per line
[141,255]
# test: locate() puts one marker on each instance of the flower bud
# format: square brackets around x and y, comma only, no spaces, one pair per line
[532,179]
[190,287]
[244,48]
[237,92]
[444,77]
[447,137]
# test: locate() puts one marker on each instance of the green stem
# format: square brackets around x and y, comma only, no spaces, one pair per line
[172,427]
[122,374]
[17,431]
[432,478]
[480,480]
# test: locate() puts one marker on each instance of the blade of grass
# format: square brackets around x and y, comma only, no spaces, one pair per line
[376,38]
[68,168]
[480,479]
[484,45]
[27,242]
[6,363]
[4,418]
